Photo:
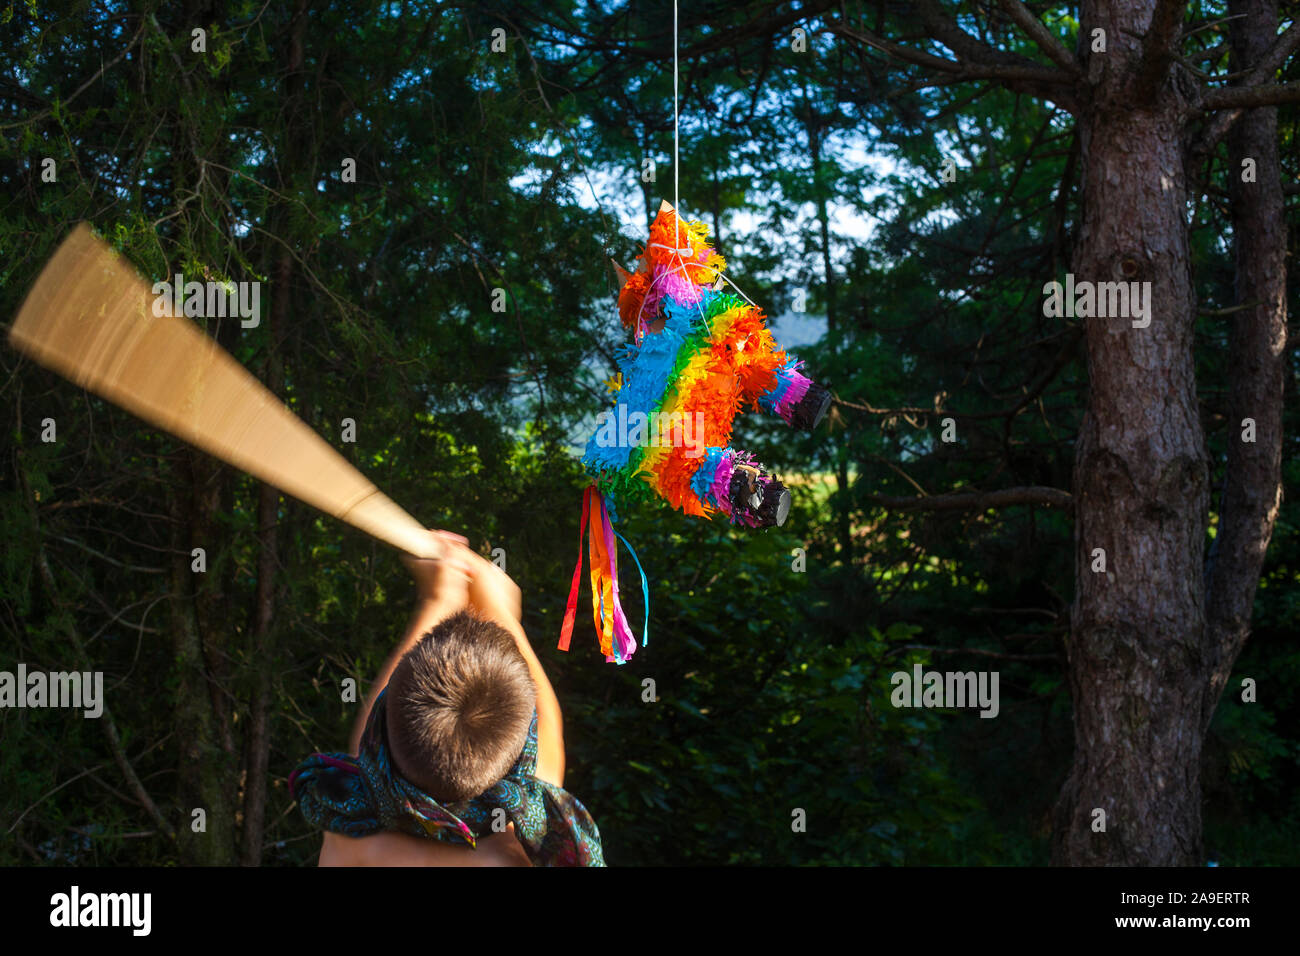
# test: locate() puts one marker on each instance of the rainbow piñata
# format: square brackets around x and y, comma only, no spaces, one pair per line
[699,355]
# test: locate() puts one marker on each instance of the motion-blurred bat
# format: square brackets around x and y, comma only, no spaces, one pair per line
[90,317]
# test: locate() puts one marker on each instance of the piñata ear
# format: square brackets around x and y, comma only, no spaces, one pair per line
[661,217]
[667,223]
[623,274]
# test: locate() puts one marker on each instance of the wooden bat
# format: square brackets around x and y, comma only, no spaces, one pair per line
[90,318]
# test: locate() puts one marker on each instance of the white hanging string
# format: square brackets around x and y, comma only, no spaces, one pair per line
[677,215]
[677,202]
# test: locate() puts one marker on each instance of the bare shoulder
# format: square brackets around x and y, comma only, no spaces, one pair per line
[401,849]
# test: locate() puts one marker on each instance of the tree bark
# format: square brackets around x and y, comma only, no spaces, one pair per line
[205,762]
[211,486]
[1252,487]
[204,768]
[262,631]
[1136,667]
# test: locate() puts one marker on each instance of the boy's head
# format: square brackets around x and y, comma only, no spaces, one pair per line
[459,707]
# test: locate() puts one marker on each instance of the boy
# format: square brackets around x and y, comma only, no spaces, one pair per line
[459,746]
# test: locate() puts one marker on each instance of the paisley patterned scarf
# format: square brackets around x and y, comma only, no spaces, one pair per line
[361,795]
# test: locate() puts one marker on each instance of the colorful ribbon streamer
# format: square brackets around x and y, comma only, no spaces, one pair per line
[617,642]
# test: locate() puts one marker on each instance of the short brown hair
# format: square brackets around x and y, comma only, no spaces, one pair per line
[459,707]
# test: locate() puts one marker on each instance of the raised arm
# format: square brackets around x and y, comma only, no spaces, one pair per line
[494,596]
[441,589]
[464,579]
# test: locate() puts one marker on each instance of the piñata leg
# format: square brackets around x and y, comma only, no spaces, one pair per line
[737,485]
[796,398]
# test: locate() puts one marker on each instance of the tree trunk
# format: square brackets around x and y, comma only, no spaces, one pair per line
[1136,662]
[1252,489]
[204,770]
[268,498]
[211,483]
[206,764]
[813,123]
[262,632]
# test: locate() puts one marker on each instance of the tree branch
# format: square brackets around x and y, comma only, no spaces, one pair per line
[1160,44]
[103,68]
[976,60]
[105,718]
[946,30]
[1254,90]
[1062,358]
[103,557]
[979,500]
[51,793]
[976,651]
[1038,32]
[1248,97]
[1275,56]
[954,69]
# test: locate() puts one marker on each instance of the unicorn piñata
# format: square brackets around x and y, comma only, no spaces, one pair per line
[699,354]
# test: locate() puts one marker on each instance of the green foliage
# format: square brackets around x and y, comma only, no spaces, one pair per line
[520,171]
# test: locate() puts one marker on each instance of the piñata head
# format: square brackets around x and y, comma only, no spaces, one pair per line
[699,355]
